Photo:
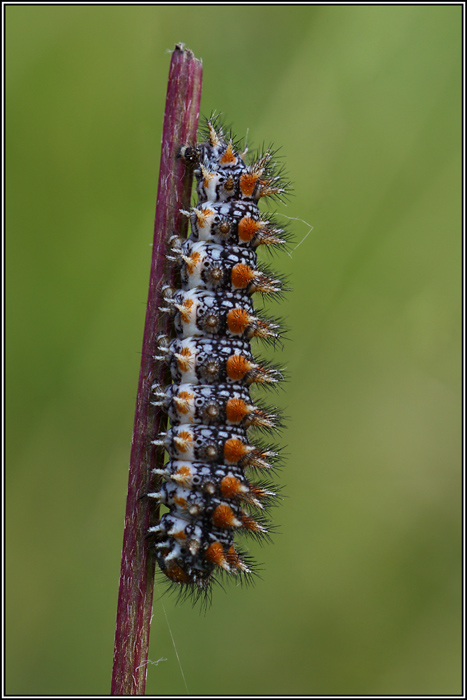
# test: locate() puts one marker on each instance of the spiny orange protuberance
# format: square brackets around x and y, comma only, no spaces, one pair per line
[182,475]
[238,320]
[234,450]
[215,553]
[236,410]
[247,228]
[237,366]
[183,359]
[213,135]
[182,400]
[248,183]
[192,262]
[229,157]
[207,177]
[180,501]
[202,215]
[242,275]
[185,311]
[231,487]
[223,516]
[183,440]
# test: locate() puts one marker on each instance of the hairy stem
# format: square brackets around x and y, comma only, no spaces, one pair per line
[137,568]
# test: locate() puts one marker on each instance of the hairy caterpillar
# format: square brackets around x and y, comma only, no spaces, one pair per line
[215,483]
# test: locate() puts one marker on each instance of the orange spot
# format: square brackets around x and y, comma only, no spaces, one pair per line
[230,487]
[182,400]
[248,183]
[234,450]
[215,553]
[180,502]
[238,320]
[229,157]
[185,395]
[184,359]
[236,410]
[202,216]
[242,275]
[186,310]
[182,476]
[207,177]
[176,573]
[237,366]
[224,516]
[180,535]
[183,440]
[193,262]
[247,228]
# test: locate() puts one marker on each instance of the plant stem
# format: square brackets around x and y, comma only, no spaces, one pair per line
[138,565]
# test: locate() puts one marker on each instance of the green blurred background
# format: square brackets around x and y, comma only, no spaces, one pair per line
[361,589]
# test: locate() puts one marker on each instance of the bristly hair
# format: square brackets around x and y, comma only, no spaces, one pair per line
[273,167]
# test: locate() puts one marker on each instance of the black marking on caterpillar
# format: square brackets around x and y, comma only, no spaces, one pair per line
[210,483]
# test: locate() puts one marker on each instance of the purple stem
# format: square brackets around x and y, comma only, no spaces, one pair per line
[138,565]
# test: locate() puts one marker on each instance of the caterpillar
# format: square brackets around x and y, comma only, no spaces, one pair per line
[211,483]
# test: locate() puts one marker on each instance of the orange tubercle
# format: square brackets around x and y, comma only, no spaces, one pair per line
[247,228]
[183,359]
[186,310]
[236,410]
[234,450]
[248,183]
[229,157]
[224,516]
[242,275]
[183,440]
[202,216]
[238,320]
[182,400]
[231,487]
[193,260]
[207,177]
[215,554]
[213,136]
[237,366]
[182,475]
